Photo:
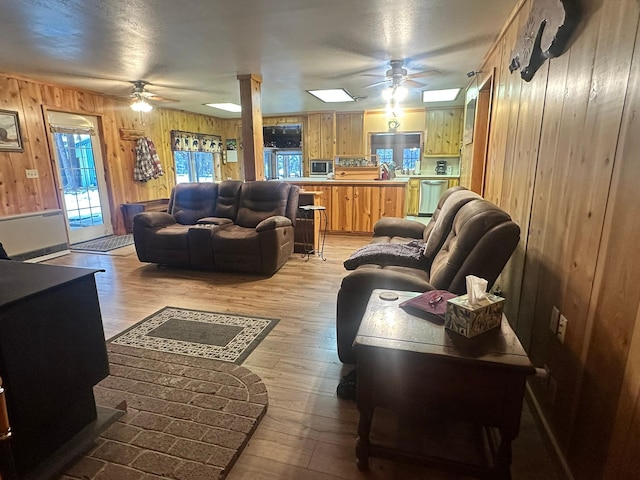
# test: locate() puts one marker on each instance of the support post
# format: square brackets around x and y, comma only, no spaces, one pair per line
[252,140]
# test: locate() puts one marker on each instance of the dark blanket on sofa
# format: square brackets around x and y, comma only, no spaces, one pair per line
[383,254]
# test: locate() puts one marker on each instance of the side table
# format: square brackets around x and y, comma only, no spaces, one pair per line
[309,213]
[409,364]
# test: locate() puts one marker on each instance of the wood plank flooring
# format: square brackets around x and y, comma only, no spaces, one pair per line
[308,432]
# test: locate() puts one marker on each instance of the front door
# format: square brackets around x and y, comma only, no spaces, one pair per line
[83,190]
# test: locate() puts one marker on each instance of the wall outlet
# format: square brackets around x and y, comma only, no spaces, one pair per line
[562,328]
[553,322]
[32,173]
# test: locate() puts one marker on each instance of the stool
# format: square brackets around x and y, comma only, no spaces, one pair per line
[308,212]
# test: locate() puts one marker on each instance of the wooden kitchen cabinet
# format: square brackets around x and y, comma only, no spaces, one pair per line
[342,208]
[355,207]
[366,208]
[413,196]
[320,136]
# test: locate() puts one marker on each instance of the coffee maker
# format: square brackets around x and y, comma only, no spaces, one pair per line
[441,167]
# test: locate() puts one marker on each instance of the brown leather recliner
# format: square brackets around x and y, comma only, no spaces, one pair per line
[259,217]
[468,236]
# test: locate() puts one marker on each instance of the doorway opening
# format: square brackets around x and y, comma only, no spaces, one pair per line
[75,141]
[481,136]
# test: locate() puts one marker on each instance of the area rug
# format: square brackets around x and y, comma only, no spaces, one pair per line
[104,244]
[218,336]
[186,417]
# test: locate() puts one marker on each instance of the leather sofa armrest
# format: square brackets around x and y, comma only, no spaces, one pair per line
[272,223]
[154,219]
[366,278]
[398,227]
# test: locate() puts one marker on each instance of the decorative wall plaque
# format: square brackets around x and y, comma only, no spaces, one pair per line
[545,35]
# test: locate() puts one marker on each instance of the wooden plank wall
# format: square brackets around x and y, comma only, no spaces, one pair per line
[443,131]
[562,160]
[32,99]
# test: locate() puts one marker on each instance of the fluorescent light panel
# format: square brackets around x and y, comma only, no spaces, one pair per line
[229,107]
[332,95]
[440,95]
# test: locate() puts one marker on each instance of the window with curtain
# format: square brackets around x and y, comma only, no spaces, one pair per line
[193,155]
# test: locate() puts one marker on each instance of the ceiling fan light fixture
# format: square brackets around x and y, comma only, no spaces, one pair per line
[447,95]
[332,95]
[140,105]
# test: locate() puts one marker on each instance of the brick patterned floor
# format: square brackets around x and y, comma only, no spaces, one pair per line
[186,418]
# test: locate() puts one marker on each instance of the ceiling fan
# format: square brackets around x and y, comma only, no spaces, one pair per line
[397,75]
[140,95]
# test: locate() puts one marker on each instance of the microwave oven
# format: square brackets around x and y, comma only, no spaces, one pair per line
[320,167]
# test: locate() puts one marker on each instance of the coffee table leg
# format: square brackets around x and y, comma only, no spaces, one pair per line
[362,444]
[503,458]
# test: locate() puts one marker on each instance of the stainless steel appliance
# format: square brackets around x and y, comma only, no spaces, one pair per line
[441,167]
[430,192]
[320,168]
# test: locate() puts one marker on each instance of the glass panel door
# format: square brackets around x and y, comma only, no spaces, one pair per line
[81,179]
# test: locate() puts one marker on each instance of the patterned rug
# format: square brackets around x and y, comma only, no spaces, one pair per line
[104,244]
[213,335]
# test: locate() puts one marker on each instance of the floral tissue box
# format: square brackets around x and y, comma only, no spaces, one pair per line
[471,320]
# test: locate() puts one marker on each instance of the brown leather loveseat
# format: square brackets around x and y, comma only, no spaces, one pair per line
[466,235]
[231,226]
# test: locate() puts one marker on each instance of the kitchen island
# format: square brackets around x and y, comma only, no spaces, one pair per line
[354,206]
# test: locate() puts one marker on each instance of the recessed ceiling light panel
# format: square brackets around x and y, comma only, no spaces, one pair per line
[332,95]
[229,107]
[447,95]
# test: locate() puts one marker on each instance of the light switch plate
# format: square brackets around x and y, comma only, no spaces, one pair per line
[32,173]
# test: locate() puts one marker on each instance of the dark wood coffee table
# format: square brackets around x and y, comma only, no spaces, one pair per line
[411,365]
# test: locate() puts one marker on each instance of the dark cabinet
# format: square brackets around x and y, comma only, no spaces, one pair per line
[52,353]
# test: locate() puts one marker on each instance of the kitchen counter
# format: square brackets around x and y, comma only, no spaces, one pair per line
[426,176]
[329,181]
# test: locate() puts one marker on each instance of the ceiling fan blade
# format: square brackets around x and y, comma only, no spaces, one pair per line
[426,73]
[414,84]
[377,84]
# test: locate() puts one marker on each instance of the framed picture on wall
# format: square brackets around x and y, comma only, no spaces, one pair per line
[469,119]
[10,139]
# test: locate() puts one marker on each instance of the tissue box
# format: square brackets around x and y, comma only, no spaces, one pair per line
[471,320]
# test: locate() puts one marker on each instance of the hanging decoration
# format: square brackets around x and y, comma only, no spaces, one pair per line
[195,142]
[545,35]
[148,164]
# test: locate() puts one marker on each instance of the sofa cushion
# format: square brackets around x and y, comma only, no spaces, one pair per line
[235,239]
[482,239]
[442,225]
[172,237]
[260,200]
[192,201]
[228,197]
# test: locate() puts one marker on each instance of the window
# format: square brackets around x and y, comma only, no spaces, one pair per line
[193,166]
[409,158]
[282,163]
[385,155]
[403,149]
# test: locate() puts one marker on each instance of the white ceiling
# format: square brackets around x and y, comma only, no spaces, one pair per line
[193,50]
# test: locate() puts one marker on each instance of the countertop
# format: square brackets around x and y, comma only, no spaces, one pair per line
[398,179]
[323,180]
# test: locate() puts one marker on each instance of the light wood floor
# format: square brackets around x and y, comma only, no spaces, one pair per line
[308,433]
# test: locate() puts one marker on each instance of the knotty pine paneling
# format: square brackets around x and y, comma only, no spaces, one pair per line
[350,133]
[31,99]
[443,131]
[562,161]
